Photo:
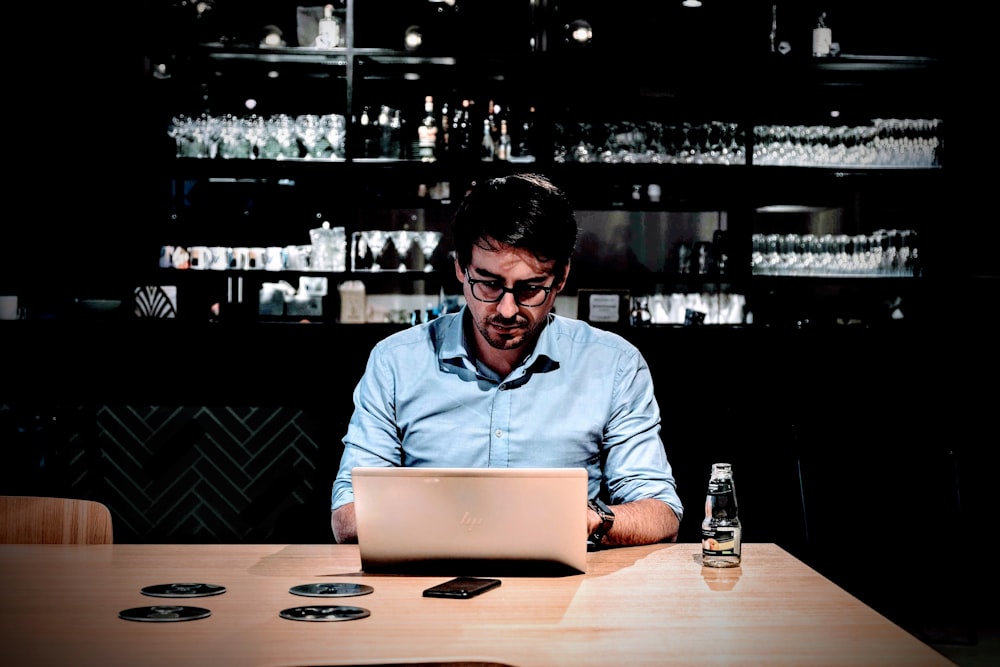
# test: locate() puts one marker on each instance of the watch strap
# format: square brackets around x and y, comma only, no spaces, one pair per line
[607,520]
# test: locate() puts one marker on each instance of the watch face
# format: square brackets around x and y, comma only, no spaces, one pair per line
[602,510]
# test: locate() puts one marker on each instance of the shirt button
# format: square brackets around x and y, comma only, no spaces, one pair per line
[498,433]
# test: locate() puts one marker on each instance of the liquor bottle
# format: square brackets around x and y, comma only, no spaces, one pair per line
[444,133]
[488,148]
[455,132]
[525,146]
[721,533]
[503,145]
[328,30]
[778,45]
[369,134]
[720,248]
[427,132]
[774,28]
[466,147]
[493,116]
[385,147]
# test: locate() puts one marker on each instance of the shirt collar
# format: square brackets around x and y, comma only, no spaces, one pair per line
[453,347]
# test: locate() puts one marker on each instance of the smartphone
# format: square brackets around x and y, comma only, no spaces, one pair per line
[461,587]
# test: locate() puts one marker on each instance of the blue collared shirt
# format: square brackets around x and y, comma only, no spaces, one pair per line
[583,398]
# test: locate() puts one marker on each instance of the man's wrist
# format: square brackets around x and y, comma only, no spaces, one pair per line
[607,518]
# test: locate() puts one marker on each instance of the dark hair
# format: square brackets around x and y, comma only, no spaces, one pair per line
[518,211]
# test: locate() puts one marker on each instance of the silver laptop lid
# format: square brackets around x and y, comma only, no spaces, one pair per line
[472,521]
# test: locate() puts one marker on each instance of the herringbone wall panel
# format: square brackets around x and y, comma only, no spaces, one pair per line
[182,474]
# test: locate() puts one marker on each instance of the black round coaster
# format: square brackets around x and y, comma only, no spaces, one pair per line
[164,613]
[331,613]
[183,590]
[331,590]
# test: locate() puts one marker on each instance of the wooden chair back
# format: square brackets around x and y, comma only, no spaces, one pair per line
[44,520]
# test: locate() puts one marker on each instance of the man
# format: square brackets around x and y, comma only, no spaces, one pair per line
[505,382]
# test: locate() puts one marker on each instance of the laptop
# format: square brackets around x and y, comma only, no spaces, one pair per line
[472,521]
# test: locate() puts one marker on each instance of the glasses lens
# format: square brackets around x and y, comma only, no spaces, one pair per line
[529,295]
[487,291]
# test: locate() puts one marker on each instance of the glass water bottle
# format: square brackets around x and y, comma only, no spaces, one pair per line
[721,537]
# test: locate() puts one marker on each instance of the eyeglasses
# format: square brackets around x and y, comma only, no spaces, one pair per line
[491,291]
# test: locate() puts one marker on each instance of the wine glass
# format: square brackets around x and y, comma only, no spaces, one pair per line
[333,127]
[310,133]
[181,131]
[279,138]
[194,135]
[428,241]
[376,240]
[401,240]
[687,150]
[233,141]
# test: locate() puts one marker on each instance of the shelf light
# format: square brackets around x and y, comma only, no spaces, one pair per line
[413,38]
[580,32]
[272,37]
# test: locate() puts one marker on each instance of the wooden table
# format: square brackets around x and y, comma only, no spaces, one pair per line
[651,605]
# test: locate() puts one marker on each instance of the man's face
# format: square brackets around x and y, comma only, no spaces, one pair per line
[505,325]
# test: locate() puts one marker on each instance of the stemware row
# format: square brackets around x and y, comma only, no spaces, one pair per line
[371,248]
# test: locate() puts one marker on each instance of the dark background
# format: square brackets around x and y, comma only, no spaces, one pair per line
[837,440]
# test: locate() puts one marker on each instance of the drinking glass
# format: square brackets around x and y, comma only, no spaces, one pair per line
[311,135]
[279,138]
[402,239]
[195,136]
[376,240]
[181,130]
[233,141]
[334,127]
[428,241]
[255,132]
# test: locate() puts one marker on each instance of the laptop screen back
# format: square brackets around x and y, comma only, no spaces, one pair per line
[472,521]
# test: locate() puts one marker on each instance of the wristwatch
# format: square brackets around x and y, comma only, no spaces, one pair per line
[607,520]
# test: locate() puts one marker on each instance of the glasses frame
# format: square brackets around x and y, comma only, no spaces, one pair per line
[508,290]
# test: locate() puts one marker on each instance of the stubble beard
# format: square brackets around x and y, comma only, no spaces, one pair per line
[501,342]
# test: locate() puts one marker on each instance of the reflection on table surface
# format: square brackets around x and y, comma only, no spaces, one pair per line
[638,605]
